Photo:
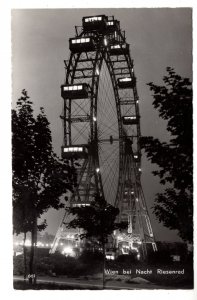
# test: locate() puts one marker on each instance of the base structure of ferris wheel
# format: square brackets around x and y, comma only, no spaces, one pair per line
[101,123]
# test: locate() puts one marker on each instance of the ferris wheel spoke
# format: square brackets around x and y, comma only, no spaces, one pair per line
[111,154]
[80,132]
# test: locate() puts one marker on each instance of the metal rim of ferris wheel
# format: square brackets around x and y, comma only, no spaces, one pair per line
[101,111]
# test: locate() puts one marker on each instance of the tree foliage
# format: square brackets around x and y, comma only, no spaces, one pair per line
[39,176]
[98,220]
[174,158]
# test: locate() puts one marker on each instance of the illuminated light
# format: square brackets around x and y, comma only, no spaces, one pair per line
[110,23]
[138,256]
[80,87]
[135,156]
[93,19]
[134,248]
[65,88]
[105,41]
[97,170]
[97,71]
[67,251]
[137,199]
[94,119]
[61,244]
[151,235]
[110,257]
[154,246]
[115,47]
[137,101]
[51,245]
[21,243]
[140,170]
[47,245]
[125,79]
[27,243]
[130,118]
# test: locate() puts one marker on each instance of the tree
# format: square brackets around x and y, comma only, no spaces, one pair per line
[98,221]
[174,207]
[40,178]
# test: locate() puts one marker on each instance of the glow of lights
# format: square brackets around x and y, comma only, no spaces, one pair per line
[47,245]
[115,47]
[93,19]
[28,243]
[97,170]
[134,248]
[125,79]
[136,199]
[130,118]
[138,256]
[140,169]
[67,251]
[105,41]
[94,119]
[61,244]
[97,71]
[137,101]
[110,257]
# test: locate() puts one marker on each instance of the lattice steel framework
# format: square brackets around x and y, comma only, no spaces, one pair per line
[101,114]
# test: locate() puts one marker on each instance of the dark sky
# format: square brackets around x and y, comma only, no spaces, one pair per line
[158,37]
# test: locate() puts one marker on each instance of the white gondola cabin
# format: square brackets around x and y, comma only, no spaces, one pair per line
[75,151]
[80,204]
[119,49]
[126,82]
[92,23]
[130,120]
[82,44]
[75,91]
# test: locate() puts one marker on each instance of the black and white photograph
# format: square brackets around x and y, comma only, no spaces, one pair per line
[102,148]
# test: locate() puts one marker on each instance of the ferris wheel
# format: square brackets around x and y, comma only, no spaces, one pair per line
[102,125]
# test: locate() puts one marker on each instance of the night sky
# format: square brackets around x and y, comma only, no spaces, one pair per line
[158,37]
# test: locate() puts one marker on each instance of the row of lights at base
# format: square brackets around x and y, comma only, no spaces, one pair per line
[28,244]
